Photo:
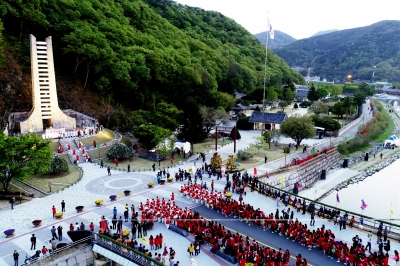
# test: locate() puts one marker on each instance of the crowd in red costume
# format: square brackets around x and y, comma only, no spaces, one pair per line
[321,238]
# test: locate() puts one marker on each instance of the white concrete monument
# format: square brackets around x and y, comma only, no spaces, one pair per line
[45,110]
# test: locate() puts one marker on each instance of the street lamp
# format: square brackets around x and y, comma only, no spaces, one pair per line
[349,77]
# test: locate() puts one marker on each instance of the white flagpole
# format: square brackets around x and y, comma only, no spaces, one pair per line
[265,74]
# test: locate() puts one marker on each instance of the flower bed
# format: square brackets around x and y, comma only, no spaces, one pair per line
[37,223]
[58,215]
[79,208]
[228,195]
[127,192]
[9,232]
[150,184]
[113,197]
[170,179]
[98,202]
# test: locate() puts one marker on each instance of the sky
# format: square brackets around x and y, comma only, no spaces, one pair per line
[302,18]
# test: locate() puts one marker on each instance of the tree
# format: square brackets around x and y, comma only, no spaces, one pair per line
[23,156]
[318,108]
[150,135]
[216,161]
[166,146]
[232,134]
[230,164]
[298,128]
[166,115]
[58,165]
[312,94]
[120,151]
[212,117]
[257,109]
[271,96]
[283,105]
[359,100]
[268,137]
[326,122]
[322,93]
[338,109]
[276,135]
[296,106]
[258,143]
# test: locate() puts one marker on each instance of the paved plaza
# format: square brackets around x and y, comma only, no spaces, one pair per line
[96,184]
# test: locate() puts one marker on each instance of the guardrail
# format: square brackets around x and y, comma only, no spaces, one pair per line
[126,251]
[84,242]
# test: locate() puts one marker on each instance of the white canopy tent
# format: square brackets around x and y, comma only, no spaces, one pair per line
[393,140]
[184,145]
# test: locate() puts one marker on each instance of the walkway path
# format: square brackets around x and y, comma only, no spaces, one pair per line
[96,184]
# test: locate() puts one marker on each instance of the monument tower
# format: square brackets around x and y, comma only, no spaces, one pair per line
[45,110]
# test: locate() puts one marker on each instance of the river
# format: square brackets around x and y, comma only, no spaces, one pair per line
[379,192]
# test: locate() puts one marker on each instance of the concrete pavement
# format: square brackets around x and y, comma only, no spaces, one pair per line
[96,184]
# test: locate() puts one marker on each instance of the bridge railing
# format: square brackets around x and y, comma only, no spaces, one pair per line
[126,251]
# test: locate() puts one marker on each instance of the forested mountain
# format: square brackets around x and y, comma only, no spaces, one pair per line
[354,51]
[112,57]
[281,39]
[323,32]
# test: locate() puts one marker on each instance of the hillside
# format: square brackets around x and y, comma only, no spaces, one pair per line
[354,51]
[112,57]
[281,39]
[323,32]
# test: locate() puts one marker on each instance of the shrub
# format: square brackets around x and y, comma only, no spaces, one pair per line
[58,165]
[295,106]
[232,135]
[286,149]
[120,151]
[244,124]
[305,104]
[242,155]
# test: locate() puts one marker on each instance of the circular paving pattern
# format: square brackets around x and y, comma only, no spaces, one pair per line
[117,183]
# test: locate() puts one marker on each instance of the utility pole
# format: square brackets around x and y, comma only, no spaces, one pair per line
[216,138]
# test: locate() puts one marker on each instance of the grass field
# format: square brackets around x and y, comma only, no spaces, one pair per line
[54,146]
[141,164]
[105,136]
[59,181]
[272,154]
[209,144]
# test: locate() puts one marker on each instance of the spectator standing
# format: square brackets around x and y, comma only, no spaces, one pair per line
[59,231]
[12,202]
[109,170]
[53,210]
[15,255]
[33,241]
[53,232]
[63,206]
[190,250]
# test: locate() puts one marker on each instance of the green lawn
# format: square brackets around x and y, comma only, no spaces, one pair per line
[272,154]
[141,164]
[209,144]
[105,136]
[59,181]
[54,146]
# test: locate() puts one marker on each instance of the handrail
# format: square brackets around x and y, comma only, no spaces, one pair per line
[369,222]
[38,261]
[125,251]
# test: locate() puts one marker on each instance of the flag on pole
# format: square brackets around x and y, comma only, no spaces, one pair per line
[281,180]
[363,205]
[255,171]
[144,240]
[337,198]
[267,175]
[270,29]
[391,212]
